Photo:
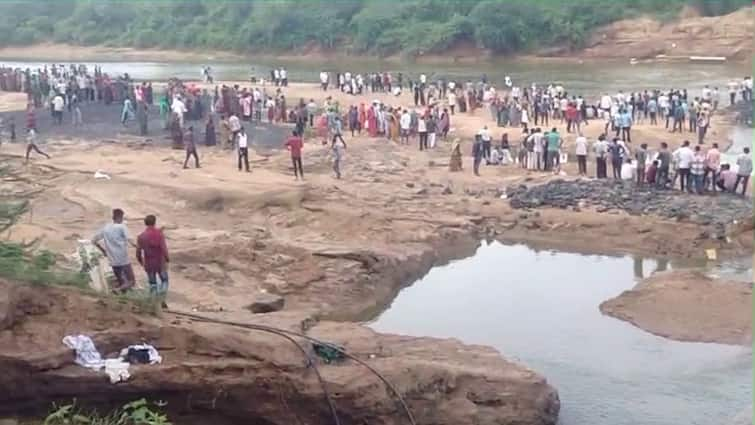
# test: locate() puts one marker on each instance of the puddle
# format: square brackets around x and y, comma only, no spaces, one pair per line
[541,308]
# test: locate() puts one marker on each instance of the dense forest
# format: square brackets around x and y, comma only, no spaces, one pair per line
[353,26]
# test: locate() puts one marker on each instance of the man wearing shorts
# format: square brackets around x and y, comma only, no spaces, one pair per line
[115,236]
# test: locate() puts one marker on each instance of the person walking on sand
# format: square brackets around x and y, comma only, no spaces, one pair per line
[339,148]
[191,148]
[243,149]
[152,254]
[31,145]
[294,144]
[477,154]
[115,237]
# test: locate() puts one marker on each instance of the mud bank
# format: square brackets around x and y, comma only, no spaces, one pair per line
[688,306]
[242,376]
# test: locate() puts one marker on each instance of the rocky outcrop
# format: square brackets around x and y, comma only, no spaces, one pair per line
[717,218]
[688,306]
[729,36]
[242,376]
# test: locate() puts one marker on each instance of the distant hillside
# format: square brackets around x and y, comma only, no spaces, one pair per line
[371,27]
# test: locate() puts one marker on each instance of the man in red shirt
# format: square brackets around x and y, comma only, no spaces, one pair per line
[152,254]
[294,144]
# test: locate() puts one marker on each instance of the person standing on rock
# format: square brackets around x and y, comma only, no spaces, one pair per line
[697,172]
[115,237]
[617,157]
[684,156]
[581,151]
[152,254]
[601,151]
[294,145]
[553,143]
[641,156]
[712,165]
[664,163]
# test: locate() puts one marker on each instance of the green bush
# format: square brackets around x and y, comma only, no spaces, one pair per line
[364,26]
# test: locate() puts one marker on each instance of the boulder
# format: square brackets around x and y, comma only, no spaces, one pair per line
[265,302]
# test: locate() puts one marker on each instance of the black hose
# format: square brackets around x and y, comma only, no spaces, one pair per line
[288,334]
[281,333]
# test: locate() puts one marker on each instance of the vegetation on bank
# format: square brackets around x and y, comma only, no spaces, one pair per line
[354,26]
[139,412]
[20,262]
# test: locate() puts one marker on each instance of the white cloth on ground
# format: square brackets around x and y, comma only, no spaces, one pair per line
[86,353]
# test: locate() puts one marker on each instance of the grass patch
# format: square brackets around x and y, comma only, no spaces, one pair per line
[22,264]
[139,412]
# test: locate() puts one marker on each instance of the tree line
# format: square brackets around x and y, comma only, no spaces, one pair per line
[377,27]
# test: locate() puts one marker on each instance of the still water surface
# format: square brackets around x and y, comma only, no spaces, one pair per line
[541,308]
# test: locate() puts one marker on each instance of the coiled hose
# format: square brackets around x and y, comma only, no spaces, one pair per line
[288,335]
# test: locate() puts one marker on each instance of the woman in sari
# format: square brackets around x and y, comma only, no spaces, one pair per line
[372,122]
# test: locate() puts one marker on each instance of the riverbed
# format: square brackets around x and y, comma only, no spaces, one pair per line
[541,308]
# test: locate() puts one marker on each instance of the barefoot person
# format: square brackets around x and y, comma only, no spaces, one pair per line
[115,236]
[152,254]
[31,145]
[191,148]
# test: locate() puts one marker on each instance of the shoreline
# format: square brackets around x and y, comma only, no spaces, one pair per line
[51,52]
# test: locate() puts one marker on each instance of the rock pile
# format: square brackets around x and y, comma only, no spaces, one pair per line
[611,195]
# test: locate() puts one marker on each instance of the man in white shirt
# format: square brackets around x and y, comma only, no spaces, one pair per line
[486,142]
[284,77]
[178,107]
[605,103]
[243,149]
[235,125]
[324,80]
[57,108]
[733,85]
[706,92]
[405,122]
[684,156]
[423,79]
[580,149]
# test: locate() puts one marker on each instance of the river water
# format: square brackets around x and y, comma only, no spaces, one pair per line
[541,308]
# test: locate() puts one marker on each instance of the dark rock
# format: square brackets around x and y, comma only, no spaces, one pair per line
[409,185]
[266,303]
[422,191]
[447,191]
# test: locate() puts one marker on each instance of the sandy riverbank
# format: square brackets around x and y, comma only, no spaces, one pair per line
[688,306]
